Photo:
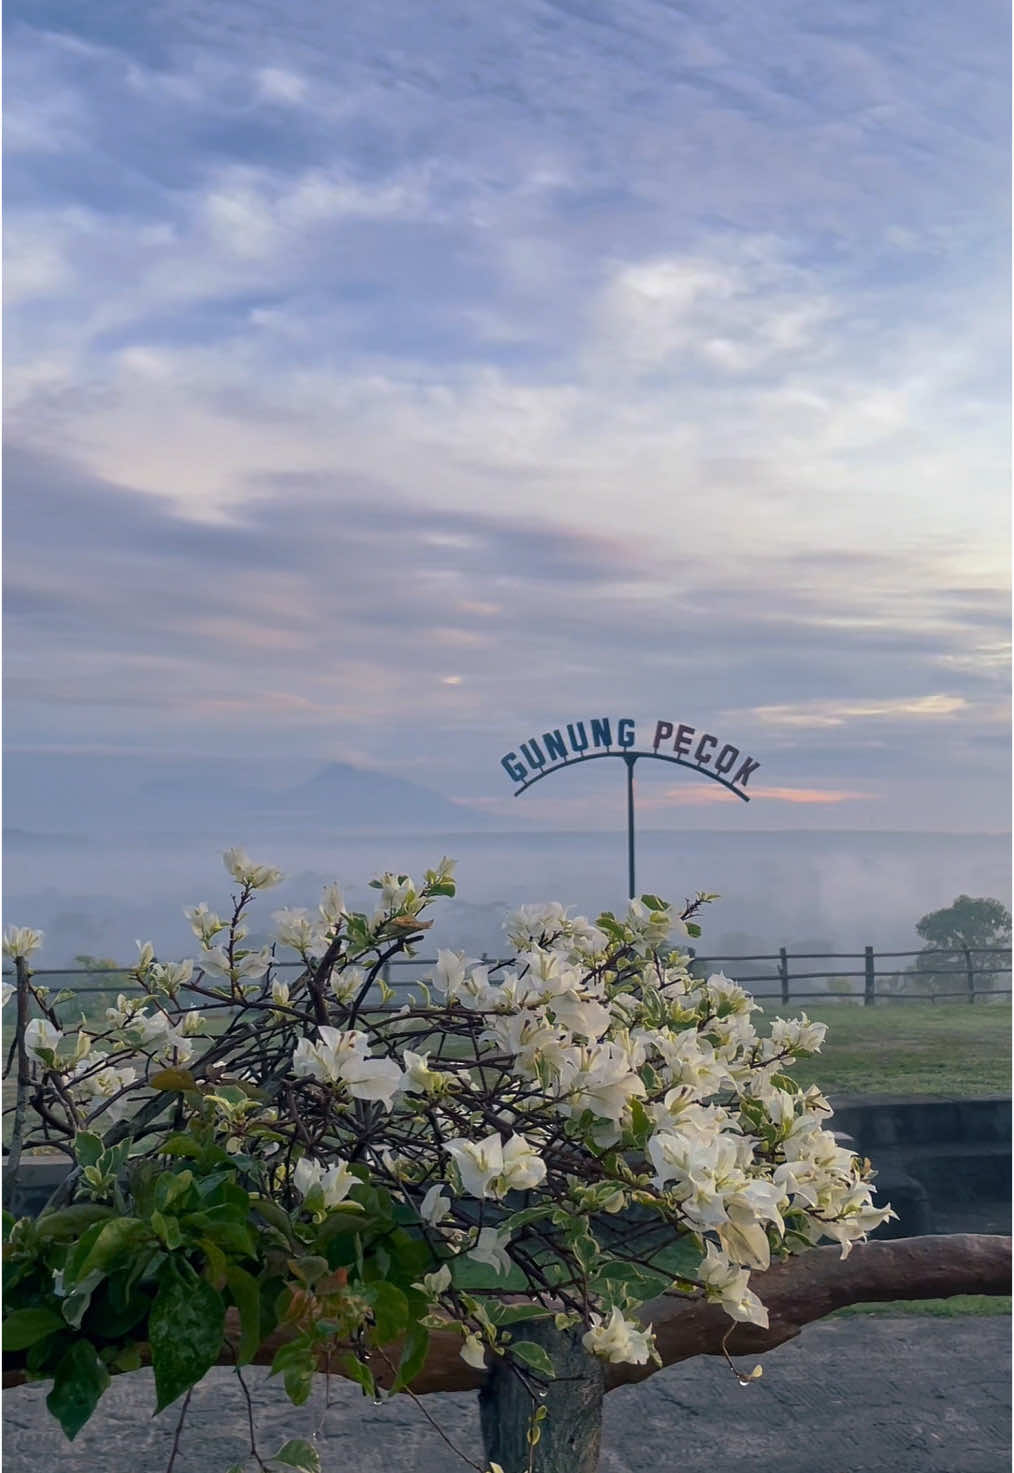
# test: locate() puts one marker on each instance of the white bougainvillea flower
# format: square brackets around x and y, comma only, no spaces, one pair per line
[341,1058]
[21,941]
[192,1023]
[434,1284]
[42,1034]
[434,1207]
[449,974]
[204,923]
[347,983]
[104,1084]
[332,906]
[250,965]
[473,1352]
[7,991]
[798,1034]
[145,955]
[419,1077]
[322,1059]
[170,976]
[606,1083]
[619,1339]
[490,1249]
[372,1079]
[335,1181]
[479,1163]
[243,870]
[159,1035]
[298,930]
[396,892]
[727,1284]
[581,1015]
[523,1167]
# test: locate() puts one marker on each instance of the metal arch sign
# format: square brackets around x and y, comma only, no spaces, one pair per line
[602,736]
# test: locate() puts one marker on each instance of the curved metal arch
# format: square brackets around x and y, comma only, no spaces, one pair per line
[630,758]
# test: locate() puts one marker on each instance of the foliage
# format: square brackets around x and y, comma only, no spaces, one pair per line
[968,936]
[565,1134]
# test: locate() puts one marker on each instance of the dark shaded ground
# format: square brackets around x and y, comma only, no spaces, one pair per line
[899,1394]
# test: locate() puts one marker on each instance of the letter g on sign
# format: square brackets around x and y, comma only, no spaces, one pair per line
[513,768]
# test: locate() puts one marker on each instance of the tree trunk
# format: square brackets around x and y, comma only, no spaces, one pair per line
[572,1432]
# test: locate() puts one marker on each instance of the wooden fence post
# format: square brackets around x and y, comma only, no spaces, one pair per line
[969,973]
[783,972]
[870,995]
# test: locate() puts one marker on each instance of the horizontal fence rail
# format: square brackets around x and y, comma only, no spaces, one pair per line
[973,974]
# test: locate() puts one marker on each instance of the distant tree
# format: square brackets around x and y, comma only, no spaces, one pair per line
[89,963]
[968,935]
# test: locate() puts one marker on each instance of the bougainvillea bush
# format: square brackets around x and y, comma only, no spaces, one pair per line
[563,1135]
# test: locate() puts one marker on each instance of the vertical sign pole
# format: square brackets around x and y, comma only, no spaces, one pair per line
[630,758]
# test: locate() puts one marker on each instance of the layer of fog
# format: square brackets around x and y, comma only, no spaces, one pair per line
[802,890]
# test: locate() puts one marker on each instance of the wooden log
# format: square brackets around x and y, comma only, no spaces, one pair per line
[796,1292]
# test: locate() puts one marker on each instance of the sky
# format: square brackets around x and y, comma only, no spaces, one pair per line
[390,384]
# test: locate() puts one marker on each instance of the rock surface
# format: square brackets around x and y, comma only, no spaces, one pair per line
[871,1394]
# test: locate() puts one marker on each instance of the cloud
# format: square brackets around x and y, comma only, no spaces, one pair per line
[645,355]
[830,713]
[703,796]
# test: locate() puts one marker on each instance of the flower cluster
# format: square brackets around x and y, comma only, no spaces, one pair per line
[590,1122]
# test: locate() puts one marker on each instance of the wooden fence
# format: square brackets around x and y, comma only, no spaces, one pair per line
[977,974]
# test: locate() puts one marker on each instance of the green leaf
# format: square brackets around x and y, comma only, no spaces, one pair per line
[78,1383]
[348,1218]
[101,1246]
[296,1363]
[390,1310]
[357,1370]
[534,1356]
[518,1220]
[222,1228]
[77,1304]
[297,1453]
[633,1280]
[68,1222]
[87,1147]
[185,1329]
[171,1185]
[693,929]
[641,1126]
[246,1296]
[514,1314]
[167,1229]
[413,1355]
[273,1215]
[585,1250]
[173,1079]
[309,1268]
[127,1359]
[25,1326]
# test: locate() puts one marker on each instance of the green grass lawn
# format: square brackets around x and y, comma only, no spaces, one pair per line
[951,1050]
[943,1309]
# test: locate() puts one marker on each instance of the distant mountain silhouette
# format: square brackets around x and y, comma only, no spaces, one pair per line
[77,793]
[348,797]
